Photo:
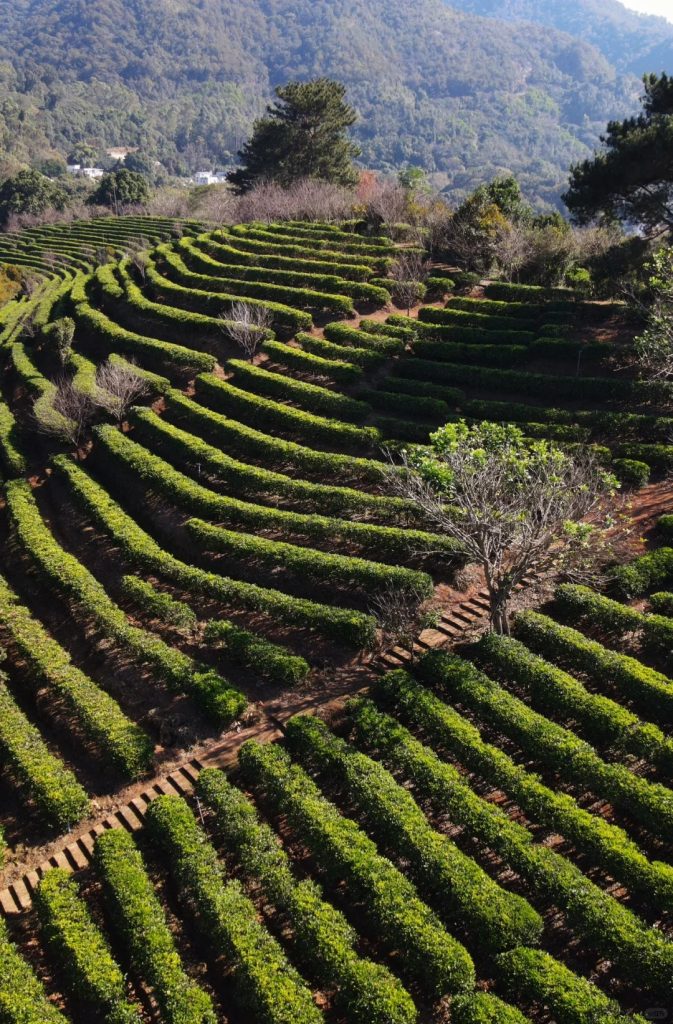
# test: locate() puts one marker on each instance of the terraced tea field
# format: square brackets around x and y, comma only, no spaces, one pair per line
[482,836]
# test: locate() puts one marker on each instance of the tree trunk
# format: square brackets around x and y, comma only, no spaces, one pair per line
[499,611]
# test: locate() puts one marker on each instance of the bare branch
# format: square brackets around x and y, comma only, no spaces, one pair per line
[118,387]
[247,325]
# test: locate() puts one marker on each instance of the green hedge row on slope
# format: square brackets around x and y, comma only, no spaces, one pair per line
[251,481]
[554,747]
[64,573]
[604,844]
[81,949]
[367,992]
[340,371]
[601,922]
[263,412]
[389,900]
[23,1000]
[96,715]
[232,252]
[492,918]
[342,624]
[553,691]
[310,397]
[262,977]
[139,919]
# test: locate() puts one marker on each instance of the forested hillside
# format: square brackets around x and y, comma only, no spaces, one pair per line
[463,96]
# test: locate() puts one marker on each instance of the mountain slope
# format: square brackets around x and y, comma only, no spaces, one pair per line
[462,95]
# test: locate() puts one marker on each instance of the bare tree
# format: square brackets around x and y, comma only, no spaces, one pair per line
[401,615]
[118,387]
[247,325]
[306,199]
[514,505]
[64,413]
[654,347]
[408,273]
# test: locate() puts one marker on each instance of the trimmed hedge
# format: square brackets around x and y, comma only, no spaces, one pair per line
[233,401]
[603,923]
[606,845]
[412,405]
[367,992]
[309,397]
[615,618]
[264,980]
[647,572]
[254,444]
[140,921]
[269,660]
[12,460]
[552,691]
[94,712]
[470,311]
[538,979]
[556,748]
[251,254]
[309,565]
[647,688]
[631,473]
[338,370]
[366,358]
[219,698]
[157,604]
[492,918]
[67,575]
[389,901]
[43,778]
[82,950]
[197,456]
[23,1000]
[342,334]
[474,355]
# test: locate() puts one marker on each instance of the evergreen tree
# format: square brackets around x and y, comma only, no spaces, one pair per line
[120,188]
[304,135]
[30,192]
[631,179]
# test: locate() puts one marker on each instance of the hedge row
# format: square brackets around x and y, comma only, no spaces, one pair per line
[501,308]
[51,786]
[200,301]
[600,388]
[252,254]
[308,565]
[42,391]
[155,382]
[309,397]
[340,371]
[256,240]
[66,574]
[367,992]
[662,602]
[647,572]
[22,997]
[601,921]
[157,604]
[578,603]
[97,716]
[190,452]
[342,334]
[263,412]
[455,315]
[302,297]
[256,445]
[268,660]
[539,980]
[492,918]
[412,405]
[605,844]
[366,358]
[81,949]
[474,355]
[561,300]
[633,681]
[556,748]
[148,942]
[108,335]
[657,456]
[344,239]
[389,900]
[264,980]
[472,337]
[390,543]
[342,624]
[12,461]
[553,691]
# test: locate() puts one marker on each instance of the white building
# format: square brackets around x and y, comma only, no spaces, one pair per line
[92,172]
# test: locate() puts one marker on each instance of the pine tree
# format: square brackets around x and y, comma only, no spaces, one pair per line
[304,135]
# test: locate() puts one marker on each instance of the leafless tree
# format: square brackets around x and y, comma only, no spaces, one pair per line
[306,199]
[401,615]
[408,274]
[118,387]
[386,203]
[247,326]
[514,507]
[512,248]
[64,413]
